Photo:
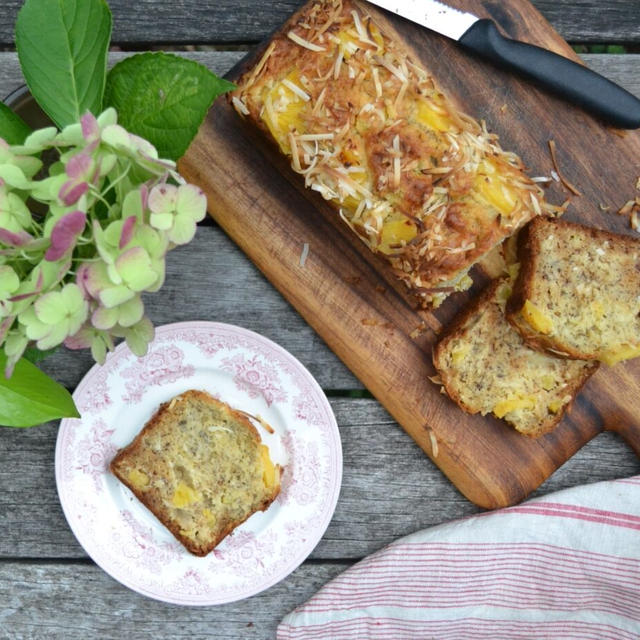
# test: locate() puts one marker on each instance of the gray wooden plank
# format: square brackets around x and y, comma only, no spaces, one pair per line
[220,21]
[79,601]
[389,489]
[620,68]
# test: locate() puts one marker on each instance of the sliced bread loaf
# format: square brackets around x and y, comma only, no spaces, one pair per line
[485,367]
[578,291]
[200,467]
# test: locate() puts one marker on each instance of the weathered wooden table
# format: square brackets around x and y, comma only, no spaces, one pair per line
[49,588]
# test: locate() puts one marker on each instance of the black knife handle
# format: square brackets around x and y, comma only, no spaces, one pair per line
[568,79]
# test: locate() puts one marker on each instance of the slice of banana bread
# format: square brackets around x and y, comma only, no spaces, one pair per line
[578,291]
[200,467]
[485,367]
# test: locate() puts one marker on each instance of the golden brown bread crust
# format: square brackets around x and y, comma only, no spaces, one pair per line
[121,464]
[416,179]
[498,373]
[532,256]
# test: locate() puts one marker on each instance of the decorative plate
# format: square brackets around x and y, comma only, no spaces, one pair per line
[250,373]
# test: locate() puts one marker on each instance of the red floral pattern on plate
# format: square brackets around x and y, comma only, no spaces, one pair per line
[95,451]
[239,367]
[256,377]
[158,367]
[97,396]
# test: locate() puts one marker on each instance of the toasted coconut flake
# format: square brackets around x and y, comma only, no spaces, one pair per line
[563,180]
[304,43]
[295,153]
[258,68]
[310,137]
[396,161]
[376,81]
[240,106]
[259,419]
[434,443]
[626,208]
[634,221]
[536,204]
[382,61]
[338,65]
[541,179]
[296,89]
[319,102]
[304,254]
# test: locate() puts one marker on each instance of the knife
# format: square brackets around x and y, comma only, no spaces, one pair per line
[564,77]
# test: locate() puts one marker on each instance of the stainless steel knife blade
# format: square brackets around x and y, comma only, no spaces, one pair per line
[431,14]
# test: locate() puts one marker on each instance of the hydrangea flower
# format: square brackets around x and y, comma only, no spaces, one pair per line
[55,316]
[176,210]
[110,209]
[14,213]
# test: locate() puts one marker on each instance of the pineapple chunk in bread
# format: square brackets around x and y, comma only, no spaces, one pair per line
[578,291]
[200,467]
[486,367]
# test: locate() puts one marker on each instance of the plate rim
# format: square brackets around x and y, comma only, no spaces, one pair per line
[306,549]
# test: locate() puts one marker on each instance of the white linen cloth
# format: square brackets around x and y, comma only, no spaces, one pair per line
[562,567]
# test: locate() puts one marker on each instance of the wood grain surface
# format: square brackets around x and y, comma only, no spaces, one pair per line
[158,22]
[338,291]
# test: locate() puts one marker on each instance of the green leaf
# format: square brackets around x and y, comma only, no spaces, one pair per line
[163,98]
[12,127]
[30,397]
[62,46]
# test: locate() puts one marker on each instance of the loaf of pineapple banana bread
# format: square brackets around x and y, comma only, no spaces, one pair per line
[419,182]
[578,291]
[201,468]
[486,367]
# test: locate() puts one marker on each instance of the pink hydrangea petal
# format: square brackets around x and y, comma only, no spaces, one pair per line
[82,275]
[127,231]
[64,234]
[95,279]
[103,318]
[90,127]
[78,165]
[14,239]
[71,192]
[162,198]
[5,326]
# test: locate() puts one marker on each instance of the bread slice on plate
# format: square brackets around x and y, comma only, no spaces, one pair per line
[578,291]
[486,367]
[200,467]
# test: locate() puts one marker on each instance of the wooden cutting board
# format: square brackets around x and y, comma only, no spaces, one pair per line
[348,296]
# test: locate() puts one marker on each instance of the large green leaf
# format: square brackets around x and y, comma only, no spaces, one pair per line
[163,98]
[62,46]
[13,128]
[30,397]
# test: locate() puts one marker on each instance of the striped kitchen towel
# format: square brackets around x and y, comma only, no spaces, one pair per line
[565,566]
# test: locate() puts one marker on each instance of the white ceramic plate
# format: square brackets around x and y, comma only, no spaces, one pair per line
[248,372]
